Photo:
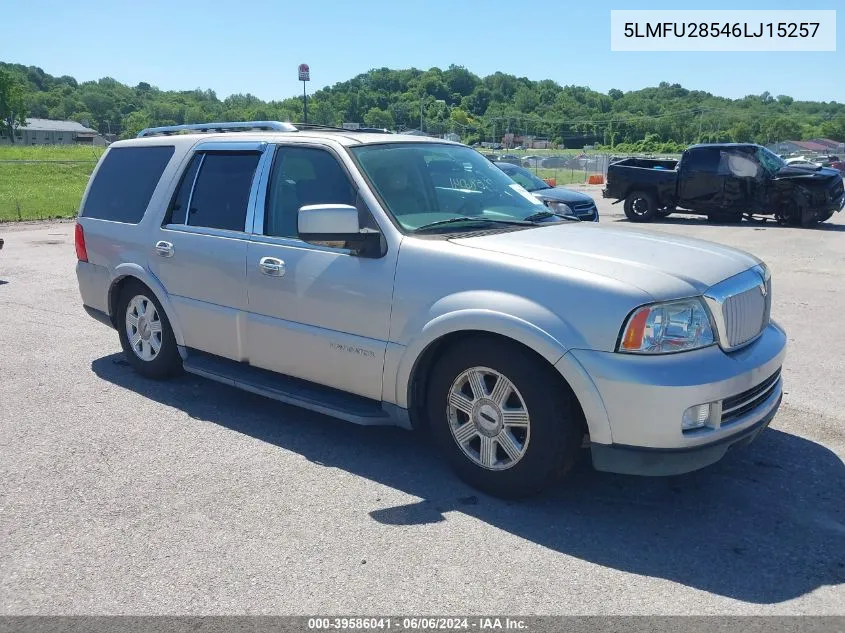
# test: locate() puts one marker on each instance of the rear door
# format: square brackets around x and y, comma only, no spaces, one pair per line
[700,186]
[200,249]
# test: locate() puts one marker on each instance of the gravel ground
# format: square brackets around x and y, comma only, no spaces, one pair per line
[123,496]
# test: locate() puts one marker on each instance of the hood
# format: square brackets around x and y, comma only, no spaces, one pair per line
[661,265]
[562,194]
[802,171]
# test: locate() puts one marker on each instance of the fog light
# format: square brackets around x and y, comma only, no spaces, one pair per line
[695,417]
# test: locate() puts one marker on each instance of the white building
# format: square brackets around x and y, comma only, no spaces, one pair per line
[50,132]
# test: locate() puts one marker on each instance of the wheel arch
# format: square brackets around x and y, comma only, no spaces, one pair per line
[414,369]
[125,273]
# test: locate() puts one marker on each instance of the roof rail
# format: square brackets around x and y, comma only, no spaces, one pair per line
[218,127]
[318,126]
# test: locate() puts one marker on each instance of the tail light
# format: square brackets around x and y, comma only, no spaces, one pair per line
[79,240]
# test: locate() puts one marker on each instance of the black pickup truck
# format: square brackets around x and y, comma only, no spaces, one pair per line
[725,182]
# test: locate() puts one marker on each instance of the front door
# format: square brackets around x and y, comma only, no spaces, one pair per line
[316,312]
[200,250]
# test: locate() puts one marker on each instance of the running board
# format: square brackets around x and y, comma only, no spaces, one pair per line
[294,391]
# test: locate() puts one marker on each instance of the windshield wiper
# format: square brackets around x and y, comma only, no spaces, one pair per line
[466,218]
[542,215]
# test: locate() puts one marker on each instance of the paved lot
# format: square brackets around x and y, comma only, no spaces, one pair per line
[121,495]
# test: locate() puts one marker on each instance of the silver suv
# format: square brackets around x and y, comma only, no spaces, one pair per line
[389,279]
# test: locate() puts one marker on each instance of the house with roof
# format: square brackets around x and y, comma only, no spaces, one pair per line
[830,144]
[50,132]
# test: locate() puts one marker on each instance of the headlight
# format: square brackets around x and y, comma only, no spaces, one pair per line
[674,326]
[559,207]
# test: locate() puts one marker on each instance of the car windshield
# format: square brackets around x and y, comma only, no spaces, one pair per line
[526,178]
[771,162]
[423,184]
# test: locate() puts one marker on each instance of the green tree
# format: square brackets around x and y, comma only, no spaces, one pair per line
[13,109]
[376,117]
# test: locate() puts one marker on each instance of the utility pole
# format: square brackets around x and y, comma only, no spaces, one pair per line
[421,112]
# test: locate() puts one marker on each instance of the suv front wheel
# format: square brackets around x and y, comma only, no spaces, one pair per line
[145,333]
[502,418]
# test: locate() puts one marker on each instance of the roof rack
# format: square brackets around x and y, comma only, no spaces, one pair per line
[318,126]
[218,127]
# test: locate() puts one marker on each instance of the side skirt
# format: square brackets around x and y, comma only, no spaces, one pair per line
[294,391]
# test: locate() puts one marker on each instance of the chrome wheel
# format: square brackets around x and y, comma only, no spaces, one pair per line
[488,418]
[143,328]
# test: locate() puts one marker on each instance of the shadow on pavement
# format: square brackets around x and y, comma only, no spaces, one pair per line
[764,525]
[755,223]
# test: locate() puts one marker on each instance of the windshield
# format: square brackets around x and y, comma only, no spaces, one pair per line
[771,162]
[526,178]
[426,183]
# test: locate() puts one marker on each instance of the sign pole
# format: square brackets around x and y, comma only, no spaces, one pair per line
[304,75]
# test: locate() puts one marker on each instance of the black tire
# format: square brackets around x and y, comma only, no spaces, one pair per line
[167,362]
[553,439]
[640,206]
[826,216]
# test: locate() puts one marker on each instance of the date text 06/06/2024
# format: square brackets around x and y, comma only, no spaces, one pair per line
[417,623]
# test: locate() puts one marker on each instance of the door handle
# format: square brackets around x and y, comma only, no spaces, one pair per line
[165,249]
[271,266]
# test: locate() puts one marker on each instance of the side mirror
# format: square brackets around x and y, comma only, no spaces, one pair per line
[337,223]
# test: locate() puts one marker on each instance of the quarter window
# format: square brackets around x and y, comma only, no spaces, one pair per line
[125,182]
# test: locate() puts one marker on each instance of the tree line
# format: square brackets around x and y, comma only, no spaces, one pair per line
[665,118]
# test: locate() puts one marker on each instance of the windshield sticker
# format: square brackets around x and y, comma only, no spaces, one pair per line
[525,193]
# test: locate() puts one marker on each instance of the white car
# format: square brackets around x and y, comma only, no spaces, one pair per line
[390,279]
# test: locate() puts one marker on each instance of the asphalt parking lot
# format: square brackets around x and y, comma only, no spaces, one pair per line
[119,495]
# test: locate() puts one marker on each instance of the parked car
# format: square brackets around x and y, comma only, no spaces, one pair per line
[559,199]
[554,162]
[510,158]
[531,161]
[725,181]
[834,162]
[397,279]
[801,161]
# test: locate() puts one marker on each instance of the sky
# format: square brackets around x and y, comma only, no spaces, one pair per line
[255,46]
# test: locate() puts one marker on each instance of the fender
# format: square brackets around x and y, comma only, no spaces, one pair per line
[524,321]
[149,280]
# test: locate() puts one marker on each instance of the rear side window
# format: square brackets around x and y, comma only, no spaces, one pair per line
[125,183]
[214,191]
[706,159]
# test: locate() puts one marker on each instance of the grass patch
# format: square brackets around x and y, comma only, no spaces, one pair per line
[39,182]
[38,191]
[51,152]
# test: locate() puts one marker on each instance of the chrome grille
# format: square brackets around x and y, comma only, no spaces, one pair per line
[741,307]
[583,208]
[746,314]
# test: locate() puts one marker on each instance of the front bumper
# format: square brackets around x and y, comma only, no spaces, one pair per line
[645,398]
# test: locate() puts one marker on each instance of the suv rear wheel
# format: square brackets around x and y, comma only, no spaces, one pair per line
[502,419]
[640,206]
[145,333]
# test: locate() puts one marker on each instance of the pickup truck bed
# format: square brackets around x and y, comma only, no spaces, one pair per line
[634,174]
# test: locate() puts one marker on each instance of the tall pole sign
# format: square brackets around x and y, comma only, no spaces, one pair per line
[304,75]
